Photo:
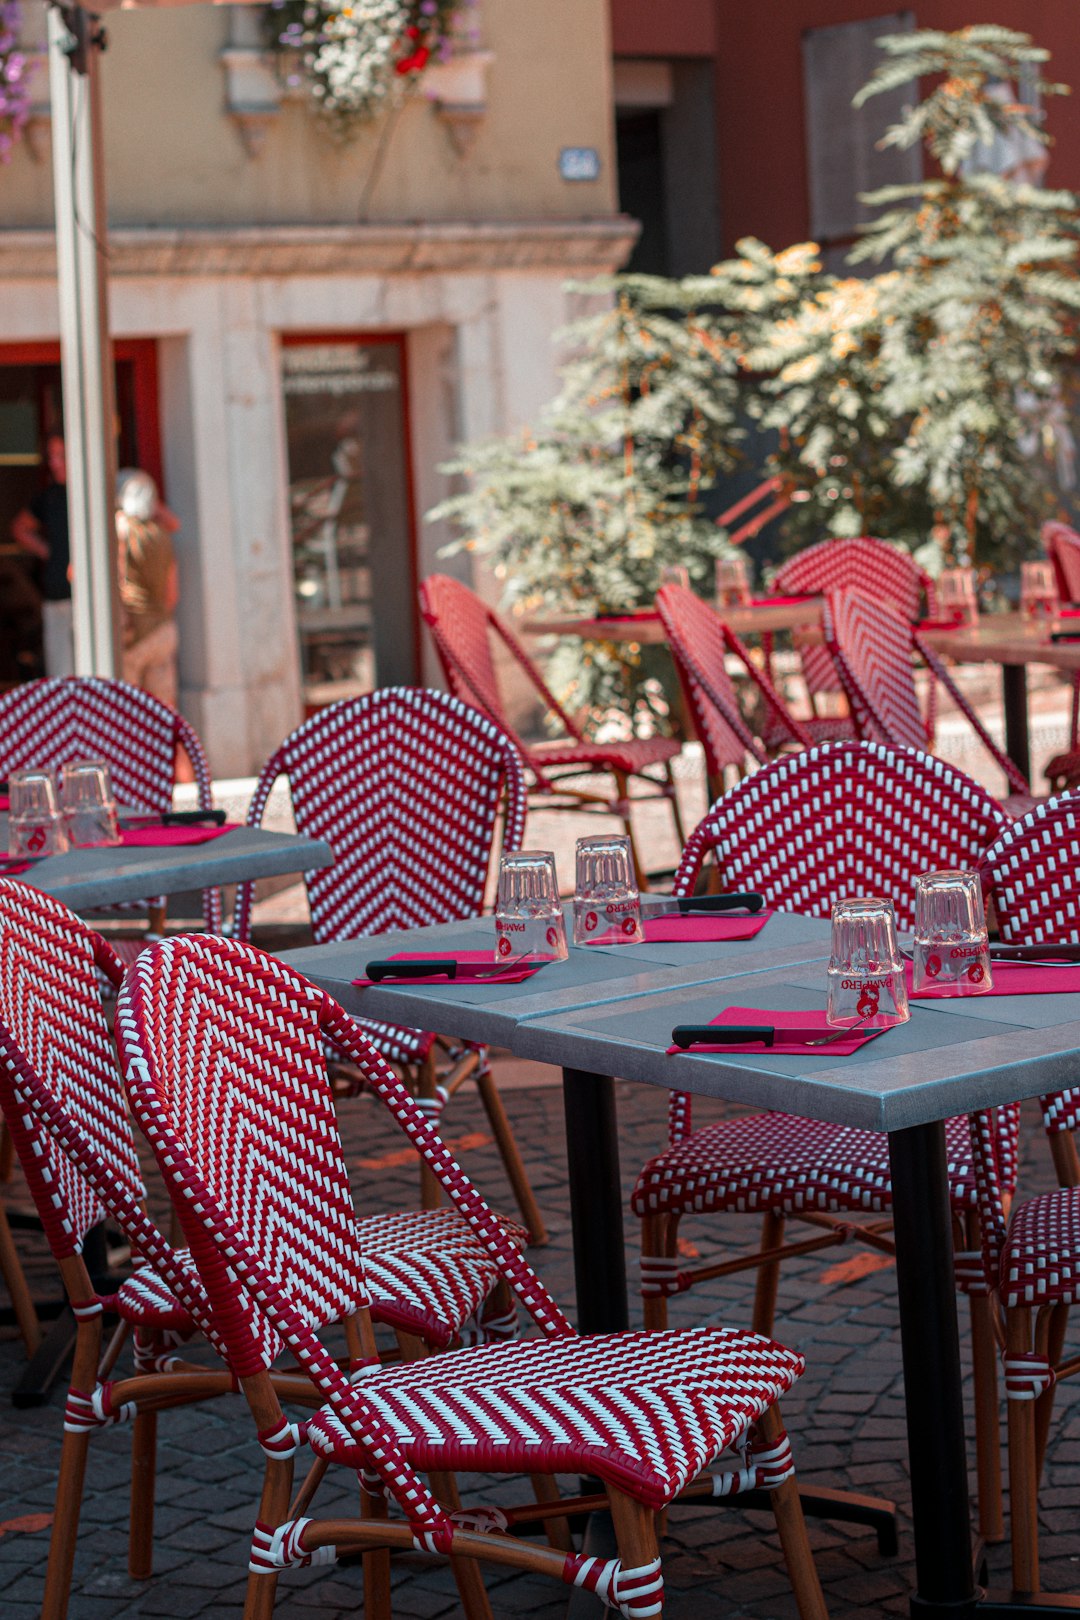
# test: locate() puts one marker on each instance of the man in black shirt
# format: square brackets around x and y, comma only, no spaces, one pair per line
[42,529]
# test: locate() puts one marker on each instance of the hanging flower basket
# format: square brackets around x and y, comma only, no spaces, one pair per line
[357,58]
[15,72]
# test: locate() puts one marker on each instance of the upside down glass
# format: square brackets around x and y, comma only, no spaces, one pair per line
[88,803]
[952,952]
[732,582]
[957,595]
[528,914]
[1038,590]
[35,825]
[607,905]
[866,970]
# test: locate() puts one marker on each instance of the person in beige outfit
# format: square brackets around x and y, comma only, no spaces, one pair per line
[149,586]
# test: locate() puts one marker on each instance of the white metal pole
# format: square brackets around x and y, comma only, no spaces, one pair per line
[85,347]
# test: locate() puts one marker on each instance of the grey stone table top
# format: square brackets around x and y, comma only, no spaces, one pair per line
[104,876]
[611,1011]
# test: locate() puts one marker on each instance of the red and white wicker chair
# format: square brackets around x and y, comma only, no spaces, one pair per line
[647,1413]
[1031,1274]
[872,649]
[430,1278]
[1032,875]
[52,722]
[701,643]
[407,787]
[466,632]
[884,572]
[1063,548]
[842,818]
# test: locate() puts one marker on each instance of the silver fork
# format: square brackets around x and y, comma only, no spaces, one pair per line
[840,1034]
[499,967]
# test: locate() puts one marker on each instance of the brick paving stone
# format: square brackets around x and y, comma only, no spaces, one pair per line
[846,1420]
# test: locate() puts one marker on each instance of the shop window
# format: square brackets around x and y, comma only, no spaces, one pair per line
[354,564]
[843,157]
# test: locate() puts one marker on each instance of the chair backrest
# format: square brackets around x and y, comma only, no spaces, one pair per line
[843,819]
[1063,546]
[881,570]
[54,1037]
[1032,872]
[51,722]
[462,627]
[696,636]
[406,786]
[870,646]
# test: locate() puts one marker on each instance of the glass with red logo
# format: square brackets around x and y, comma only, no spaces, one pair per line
[866,971]
[952,952]
[1038,591]
[35,825]
[607,905]
[529,922]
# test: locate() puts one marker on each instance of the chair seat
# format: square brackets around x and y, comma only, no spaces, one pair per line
[1040,1261]
[821,729]
[427,1272]
[632,756]
[645,1411]
[776,1161]
[1063,771]
[395,1043]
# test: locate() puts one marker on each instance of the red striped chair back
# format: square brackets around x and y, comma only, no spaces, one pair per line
[406,786]
[842,819]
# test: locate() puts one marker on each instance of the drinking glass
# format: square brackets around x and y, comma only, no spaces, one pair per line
[607,906]
[35,826]
[866,971]
[88,802]
[952,953]
[675,574]
[958,596]
[732,582]
[1038,590]
[528,914]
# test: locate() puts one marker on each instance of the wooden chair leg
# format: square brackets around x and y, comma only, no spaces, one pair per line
[467,1573]
[143,1479]
[18,1289]
[425,1087]
[511,1157]
[984,1358]
[273,1510]
[1066,1159]
[156,916]
[7,1154]
[787,1510]
[676,812]
[768,1278]
[1023,1503]
[635,1530]
[378,1604]
[556,1530]
[653,1246]
[70,1480]
[622,788]
[1044,1406]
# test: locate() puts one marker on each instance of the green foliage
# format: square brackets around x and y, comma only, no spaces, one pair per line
[920,400]
[585,510]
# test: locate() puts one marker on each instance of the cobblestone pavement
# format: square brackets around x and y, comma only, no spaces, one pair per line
[845,1418]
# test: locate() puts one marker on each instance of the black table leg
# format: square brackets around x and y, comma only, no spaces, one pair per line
[931,1349]
[596,1212]
[1015,694]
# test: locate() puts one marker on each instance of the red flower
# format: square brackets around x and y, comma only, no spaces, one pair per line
[414,63]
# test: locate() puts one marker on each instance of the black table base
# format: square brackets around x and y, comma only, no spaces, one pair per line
[1015,694]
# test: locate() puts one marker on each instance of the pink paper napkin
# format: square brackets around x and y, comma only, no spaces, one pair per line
[5,802]
[1068,613]
[784,1020]
[470,961]
[640,615]
[159,837]
[13,868]
[1011,979]
[704,930]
